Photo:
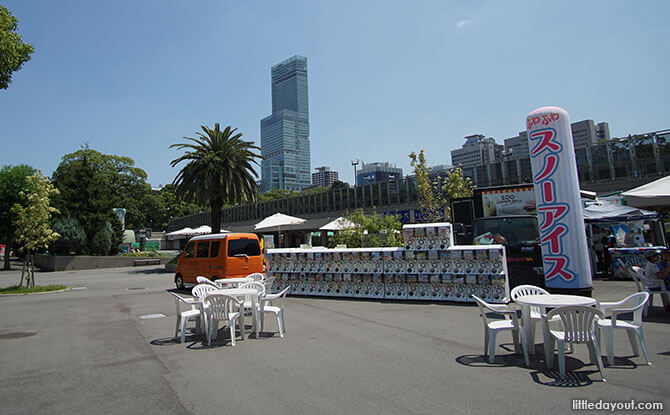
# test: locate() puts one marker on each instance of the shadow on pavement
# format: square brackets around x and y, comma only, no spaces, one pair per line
[574,376]
[150,271]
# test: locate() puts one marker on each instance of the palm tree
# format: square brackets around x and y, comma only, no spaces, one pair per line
[219,170]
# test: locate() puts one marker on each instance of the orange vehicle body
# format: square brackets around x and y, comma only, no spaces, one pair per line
[221,255]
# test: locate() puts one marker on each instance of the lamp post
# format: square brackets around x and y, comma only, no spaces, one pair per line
[355,163]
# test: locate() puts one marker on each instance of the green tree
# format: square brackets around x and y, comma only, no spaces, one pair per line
[163,204]
[13,51]
[33,230]
[337,185]
[219,170]
[91,184]
[369,231]
[432,203]
[72,236]
[12,183]
[275,194]
[456,185]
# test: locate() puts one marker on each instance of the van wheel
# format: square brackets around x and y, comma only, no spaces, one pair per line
[179,281]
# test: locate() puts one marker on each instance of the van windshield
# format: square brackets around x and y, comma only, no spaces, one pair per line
[249,247]
[510,231]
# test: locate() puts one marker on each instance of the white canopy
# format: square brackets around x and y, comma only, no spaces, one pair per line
[605,210]
[338,224]
[276,221]
[188,232]
[179,234]
[201,230]
[652,195]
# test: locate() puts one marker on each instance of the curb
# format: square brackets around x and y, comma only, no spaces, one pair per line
[43,292]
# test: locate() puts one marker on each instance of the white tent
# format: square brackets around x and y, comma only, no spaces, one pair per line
[338,224]
[188,232]
[179,234]
[609,211]
[203,230]
[276,221]
[652,195]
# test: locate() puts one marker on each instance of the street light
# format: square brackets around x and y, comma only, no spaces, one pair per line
[354,163]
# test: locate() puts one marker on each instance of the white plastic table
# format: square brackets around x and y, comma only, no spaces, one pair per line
[223,282]
[544,302]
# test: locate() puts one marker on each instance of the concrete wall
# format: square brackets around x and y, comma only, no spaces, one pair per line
[65,262]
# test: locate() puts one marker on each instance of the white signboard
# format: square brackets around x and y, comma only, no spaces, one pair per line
[503,202]
[552,157]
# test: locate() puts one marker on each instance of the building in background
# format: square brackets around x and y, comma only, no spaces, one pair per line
[586,133]
[477,152]
[377,172]
[285,134]
[324,177]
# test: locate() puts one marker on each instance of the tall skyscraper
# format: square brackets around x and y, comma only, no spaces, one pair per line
[285,133]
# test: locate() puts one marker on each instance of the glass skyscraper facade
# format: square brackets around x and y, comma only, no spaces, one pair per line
[285,133]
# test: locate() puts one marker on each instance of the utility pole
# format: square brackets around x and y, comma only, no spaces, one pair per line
[354,163]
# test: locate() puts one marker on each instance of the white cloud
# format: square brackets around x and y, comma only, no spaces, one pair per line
[463,23]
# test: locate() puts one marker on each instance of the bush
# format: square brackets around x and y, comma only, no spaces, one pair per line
[369,231]
[101,244]
[72,236]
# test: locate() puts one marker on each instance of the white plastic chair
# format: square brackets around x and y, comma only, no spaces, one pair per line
[268,284]
[220,308]
[535,311]
[204,280]
[651,286]
[183,316]
[266,306]
[256,276]
[491,328]
[577,326]
[200,291]
[260,289]
[632,304]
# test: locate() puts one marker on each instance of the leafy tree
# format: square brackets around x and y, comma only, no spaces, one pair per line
[456,185]
[101,244]
[163,204]
[12,183]
[337,185]
[91,184]
[431,200]
[369,231]
[33,230]
[219,170]
[13,51]
[275,194]
[72,236]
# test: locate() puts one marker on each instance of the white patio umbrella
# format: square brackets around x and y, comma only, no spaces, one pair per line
[274,222]
[277,220]
[338,224]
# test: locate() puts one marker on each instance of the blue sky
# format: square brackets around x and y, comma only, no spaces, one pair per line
[385,77]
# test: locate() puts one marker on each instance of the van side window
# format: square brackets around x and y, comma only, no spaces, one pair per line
[214,251]
[244,246]
[203,249]
[190,249]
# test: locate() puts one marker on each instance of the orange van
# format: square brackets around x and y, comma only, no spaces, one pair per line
[220,255]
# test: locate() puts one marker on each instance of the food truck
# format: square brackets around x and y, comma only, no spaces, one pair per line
[507,215]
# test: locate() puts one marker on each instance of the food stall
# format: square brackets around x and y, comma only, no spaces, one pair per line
[629,232]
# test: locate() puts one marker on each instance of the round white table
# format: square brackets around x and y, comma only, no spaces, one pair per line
[224,282]
[542,302]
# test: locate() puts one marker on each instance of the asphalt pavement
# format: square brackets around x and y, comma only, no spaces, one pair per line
[105,346]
